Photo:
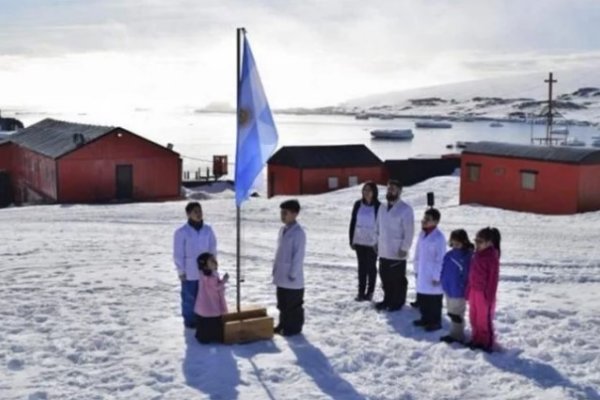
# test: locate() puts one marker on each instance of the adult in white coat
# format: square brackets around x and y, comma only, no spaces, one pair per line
[191,240]
[288,271]
[428,261]
[395,230]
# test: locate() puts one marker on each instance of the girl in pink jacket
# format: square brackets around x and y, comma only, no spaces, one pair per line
[210,303]
[482,286]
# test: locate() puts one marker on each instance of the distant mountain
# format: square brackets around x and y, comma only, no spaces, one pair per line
[10,124]
[216,107]
[576,97]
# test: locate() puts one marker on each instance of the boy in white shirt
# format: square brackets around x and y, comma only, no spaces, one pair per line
[429,258]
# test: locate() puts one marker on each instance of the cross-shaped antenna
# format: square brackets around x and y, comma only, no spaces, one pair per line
[549,81]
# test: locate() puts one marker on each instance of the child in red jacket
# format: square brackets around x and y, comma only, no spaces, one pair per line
[482,286]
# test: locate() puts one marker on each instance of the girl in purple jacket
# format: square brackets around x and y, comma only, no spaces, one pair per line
[210,303]
[455,275]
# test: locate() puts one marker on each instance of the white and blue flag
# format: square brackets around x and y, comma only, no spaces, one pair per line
[256,132]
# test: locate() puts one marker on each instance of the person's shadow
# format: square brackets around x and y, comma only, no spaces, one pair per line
[544,375]
[402,322]
[249,351]
[210,369]
[317,366]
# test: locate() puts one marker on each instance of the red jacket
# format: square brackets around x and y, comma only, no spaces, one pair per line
[484,273]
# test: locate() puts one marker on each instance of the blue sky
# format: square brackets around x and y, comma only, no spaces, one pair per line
[310,53]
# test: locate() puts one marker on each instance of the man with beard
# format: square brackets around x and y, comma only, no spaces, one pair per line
[395,229]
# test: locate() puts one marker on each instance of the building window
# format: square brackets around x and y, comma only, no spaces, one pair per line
[474,171]
[352,180]
[528,180]
[333,182]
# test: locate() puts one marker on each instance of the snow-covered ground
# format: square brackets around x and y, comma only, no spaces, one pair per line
[89,309]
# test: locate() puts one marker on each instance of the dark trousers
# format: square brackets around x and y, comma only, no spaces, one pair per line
[189,291]
[291,311]
[394,282]
[431,308]
[367,270]
[209,329]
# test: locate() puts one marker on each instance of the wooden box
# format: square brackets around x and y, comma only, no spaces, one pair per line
[249,325]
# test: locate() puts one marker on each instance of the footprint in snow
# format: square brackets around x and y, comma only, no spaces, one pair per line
[16,365]
[162,378]
[38,396]
[17,348]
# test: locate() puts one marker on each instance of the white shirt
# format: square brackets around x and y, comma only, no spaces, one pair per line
[188,244]
[288,266]
[364,231]
[395,230]
[429,258]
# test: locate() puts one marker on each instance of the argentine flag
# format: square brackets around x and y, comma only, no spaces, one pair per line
[256,132]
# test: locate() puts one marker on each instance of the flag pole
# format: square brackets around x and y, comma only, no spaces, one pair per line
[239,32]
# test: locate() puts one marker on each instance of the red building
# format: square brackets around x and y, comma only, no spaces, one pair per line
[540,179]
[317,169]
[62,162]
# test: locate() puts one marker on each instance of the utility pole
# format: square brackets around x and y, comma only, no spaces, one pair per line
[549,81]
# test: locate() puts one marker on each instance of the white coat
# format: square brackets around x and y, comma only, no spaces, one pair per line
[288,267]
[395,230]
[428,261]
[188,244]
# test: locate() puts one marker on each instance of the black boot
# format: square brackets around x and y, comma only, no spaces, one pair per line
[448,339]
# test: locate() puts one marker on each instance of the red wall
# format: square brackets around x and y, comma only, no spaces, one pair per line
[283,180]
[89,173]
[556,189]
[317,180]
[287,180]
[589,188]
[6,156]
[33,176]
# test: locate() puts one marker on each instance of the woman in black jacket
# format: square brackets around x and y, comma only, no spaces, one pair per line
[363,240]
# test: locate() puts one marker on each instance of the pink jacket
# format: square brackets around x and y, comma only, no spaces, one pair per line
[211,296]
[484,273]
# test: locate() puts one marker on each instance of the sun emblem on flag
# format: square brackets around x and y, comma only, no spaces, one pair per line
[244,116]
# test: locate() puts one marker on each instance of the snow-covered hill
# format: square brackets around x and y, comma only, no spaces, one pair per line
[89,309]
[577,97]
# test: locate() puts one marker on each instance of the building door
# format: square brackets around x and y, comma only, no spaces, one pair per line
[271,184]
[124,182]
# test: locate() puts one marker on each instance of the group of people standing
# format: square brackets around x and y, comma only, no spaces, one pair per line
[464,274]
[381,232]
[203,301]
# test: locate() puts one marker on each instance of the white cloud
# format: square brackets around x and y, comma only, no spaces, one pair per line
[182,52]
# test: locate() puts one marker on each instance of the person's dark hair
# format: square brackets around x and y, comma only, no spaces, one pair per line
[395,182]
[291,205]
[491,235]
[191,205]
[434,214]
[373,186]
[202,261]
[461,236]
